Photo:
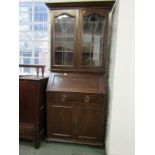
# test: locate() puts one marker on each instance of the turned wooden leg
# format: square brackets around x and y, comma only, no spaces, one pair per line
[37,143]
[42,72]
[37,72]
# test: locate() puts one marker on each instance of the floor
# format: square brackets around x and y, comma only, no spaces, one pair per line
[26,148]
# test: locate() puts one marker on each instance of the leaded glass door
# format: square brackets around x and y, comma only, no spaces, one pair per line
[93,24]
[64,38]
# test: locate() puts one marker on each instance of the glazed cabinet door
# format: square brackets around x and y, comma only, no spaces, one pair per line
[64,32]
[60,120]
[93,38]
[90,123]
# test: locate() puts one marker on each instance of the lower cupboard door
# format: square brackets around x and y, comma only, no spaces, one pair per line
[90,125]
[60,118]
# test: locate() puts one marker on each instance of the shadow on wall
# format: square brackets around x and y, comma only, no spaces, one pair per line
[113,23]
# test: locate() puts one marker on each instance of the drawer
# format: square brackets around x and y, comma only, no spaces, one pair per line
[73,97]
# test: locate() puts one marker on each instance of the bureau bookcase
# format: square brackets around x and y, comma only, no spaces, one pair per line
[77,86]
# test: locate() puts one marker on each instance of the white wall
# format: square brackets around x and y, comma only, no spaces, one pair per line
[120,131]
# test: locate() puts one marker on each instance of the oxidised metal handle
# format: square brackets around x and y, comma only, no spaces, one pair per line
[63,98]
[87,99]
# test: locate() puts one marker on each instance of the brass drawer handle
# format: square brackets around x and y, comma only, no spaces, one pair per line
[87,99]
[63,98]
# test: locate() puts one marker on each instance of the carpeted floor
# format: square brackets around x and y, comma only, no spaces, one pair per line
[53,148]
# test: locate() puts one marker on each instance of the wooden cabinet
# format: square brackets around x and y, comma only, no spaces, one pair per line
[77,86]
[76,122]
[76,108]
[32,108]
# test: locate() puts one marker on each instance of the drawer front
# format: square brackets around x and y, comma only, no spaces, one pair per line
[74,97]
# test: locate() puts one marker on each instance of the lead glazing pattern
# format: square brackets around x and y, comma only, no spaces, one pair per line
[92,40]
[65,27]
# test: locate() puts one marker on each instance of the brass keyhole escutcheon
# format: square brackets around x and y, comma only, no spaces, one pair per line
[63,98]
[87,99]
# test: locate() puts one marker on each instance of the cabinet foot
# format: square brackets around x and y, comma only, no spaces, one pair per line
[37,144]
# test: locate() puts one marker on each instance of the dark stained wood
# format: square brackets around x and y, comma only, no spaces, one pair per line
[60,118]
[32,108]
[77,95]
[92,70]
[89,123]
[78,122]
[84,98]
[105,4]
[75,108]
[69,82]
[31,66]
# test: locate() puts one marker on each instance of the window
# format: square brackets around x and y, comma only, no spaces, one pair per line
[33,34]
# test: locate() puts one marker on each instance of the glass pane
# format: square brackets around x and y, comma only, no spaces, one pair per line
[64,41]
[41,61]
[41,36]
[40,27]
[65,47]
[26,44]
[67,39]
[40,17]
[44,52]
[25,7]
[25,17]
[92,40]
[25,53]
[41,45]
[63,58]
[27,27]
[25,36]
[40,7]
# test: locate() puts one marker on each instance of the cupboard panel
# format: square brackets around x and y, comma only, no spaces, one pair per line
[60,121]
